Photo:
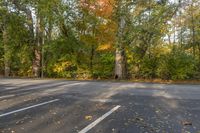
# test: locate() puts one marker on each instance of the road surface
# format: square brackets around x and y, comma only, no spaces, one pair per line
[61,106]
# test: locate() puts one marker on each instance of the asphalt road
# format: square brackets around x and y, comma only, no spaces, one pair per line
[59,106]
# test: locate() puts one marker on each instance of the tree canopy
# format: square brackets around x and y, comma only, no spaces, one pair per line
[100,39]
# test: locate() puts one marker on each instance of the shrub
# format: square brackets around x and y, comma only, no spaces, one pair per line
[148,67]
[176,65]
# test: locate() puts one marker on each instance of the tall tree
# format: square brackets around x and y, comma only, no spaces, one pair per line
[120,54]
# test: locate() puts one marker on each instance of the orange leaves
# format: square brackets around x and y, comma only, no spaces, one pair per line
[105,28]
[106,36]
[102,8]
[105,8]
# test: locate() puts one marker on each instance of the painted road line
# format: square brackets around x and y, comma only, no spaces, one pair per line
[44,86]
[26,108]
[61,85]
[73,84]
[47,91]
[7,96]
[86,129]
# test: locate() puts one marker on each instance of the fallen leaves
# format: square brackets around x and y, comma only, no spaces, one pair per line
[88,117]
[186,123]
[139,119]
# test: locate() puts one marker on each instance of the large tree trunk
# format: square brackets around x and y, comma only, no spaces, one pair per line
[120,54]
[120,64]
[37,49]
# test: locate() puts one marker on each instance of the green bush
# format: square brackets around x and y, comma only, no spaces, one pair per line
[176,65]
[148,67]
[103,69]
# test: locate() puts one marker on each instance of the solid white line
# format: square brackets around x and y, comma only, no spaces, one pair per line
[19,110]
[86,129]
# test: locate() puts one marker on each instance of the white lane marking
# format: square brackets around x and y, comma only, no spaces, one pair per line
[47,91]
[11,88]
[7,96]
[72,84]
[86,129]
[43,86]
[26,108]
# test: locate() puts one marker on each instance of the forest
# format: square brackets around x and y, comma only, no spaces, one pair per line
[100,39]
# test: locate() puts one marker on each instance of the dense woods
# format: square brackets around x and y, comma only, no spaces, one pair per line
[100,39]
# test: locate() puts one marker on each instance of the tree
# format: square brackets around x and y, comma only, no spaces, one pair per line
[120,55]
[97,38]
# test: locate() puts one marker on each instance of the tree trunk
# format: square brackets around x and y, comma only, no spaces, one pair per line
[120,54]
[193,37]
[193,31]
[169,38]
[7,55]
[91,59]
[37,50]
[120,64]
[199,53]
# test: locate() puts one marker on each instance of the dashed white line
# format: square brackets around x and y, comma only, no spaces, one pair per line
[26,108]
[89,127]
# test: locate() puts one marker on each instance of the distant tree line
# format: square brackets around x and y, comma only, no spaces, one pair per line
[100,39]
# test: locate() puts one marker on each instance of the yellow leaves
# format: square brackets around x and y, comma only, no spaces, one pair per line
[88,117]
[163,30]
[104,47]
[161,50]
[60,67]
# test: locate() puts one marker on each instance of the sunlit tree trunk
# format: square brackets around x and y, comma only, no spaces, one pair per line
[120,64]
[120,54]
[37,49]
[193,36]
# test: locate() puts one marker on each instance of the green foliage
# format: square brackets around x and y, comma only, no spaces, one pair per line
[104,67]
[1,58]
[78,39]
[60,57]
[176,65]
[148,67]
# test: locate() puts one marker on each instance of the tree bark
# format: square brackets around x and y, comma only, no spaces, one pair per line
[92,58]
[7,54]
[120,54]
[37,49]
[120,64]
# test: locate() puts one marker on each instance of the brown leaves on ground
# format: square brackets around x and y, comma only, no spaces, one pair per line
[186,123]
